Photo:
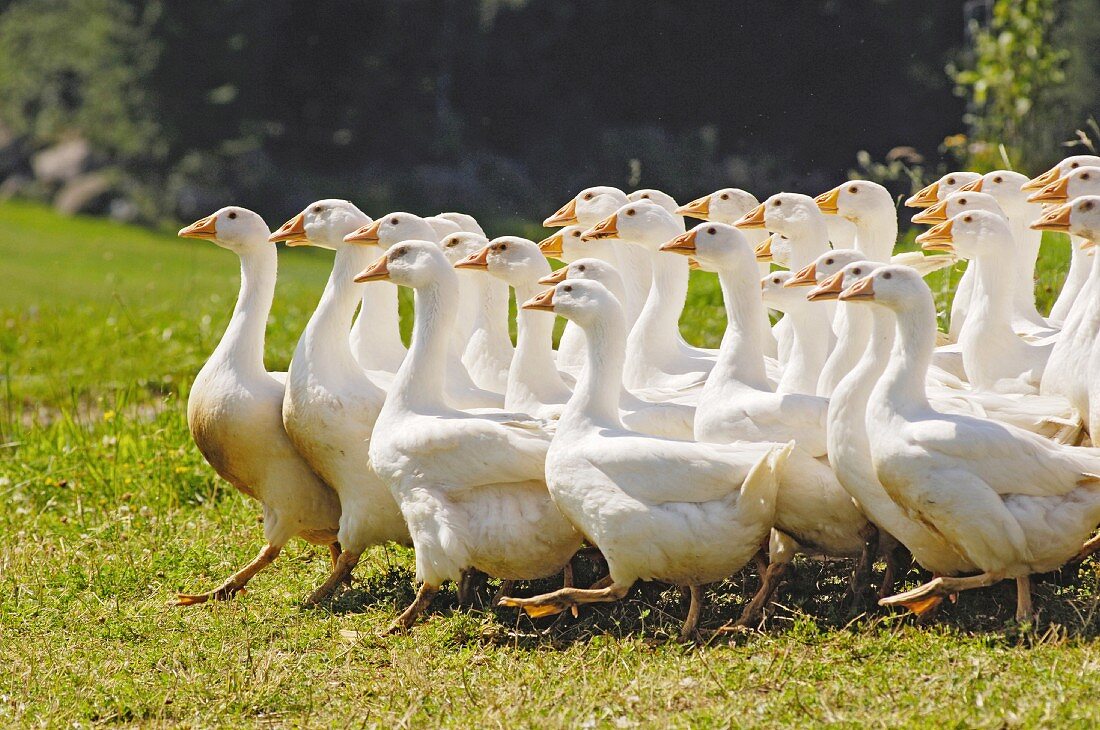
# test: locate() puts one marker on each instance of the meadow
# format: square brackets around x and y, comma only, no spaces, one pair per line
[107,511]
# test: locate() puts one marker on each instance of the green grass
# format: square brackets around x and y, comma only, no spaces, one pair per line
[107,510]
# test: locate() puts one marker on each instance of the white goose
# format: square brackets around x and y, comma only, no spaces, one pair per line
[534,384]
[729,205]
[471,486]
[995,357]
[811,334]
[394,228]
[1007,500]
[656,355]
[1080,262]
[940,189]
[658,509]
[330,405]
[235,408]
[739,404]
[649,411]
[487,349]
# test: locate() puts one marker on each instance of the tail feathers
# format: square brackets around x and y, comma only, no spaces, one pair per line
[756,499]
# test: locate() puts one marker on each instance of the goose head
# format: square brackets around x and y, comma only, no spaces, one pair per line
[464,222]
[970,233]
[716,246]
[393,228]
[824,266]
[581,301]
[512,259]
[857,201]
[659,197]
[777,295]
[723,206]
[644,222]
[940,189]
[457,247]
[1006,188]
[442,226]
[791,214]
[894,286]
[566,245]
[955,203]
[775,249]
[1082,181]
[588,207]
[415,264]
[1062,169]
[831,286]
[589,269]
[1080,217]
[322,224]
[235,228]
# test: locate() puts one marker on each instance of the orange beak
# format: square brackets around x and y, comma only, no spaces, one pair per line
[764,250]
[555,277]
[683,244]
[1038,183]
[202,228]
[937,238]
[542,300]
[806,276]
[378,271]
[1056,192]
[753,219]
[933,214]
[828,289]
[862,289]
[827,202]
[607,228]
[366,234]
[479,260]
[566,215]
[698,208]
[974,187]
[1054,220]
[551,246]
[293,232]
[924,197]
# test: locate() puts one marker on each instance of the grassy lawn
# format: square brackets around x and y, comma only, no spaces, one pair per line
[107,510]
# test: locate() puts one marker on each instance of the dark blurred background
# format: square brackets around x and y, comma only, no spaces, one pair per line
[157,111]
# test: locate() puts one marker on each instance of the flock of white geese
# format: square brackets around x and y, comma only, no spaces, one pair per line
[852,428]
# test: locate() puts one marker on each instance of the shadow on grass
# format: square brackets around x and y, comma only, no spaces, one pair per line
[815,592]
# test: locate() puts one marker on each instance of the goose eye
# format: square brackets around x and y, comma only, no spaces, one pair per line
[775,281]
[567,288]
[967,219]
[576,234]
[777,203]
[998,179]
[645,197]
[1073,165]
[394,221]
[853,190]
[712,230]
[580,268]
[1087,205]
[588,196]
[962,201]
[232,215]
[1085,176]
[317,209]
[400,252]
[828,262]
[887,275]
[724,196]
[630,212]
[950,181]
[451,243]
[503,247]
[857,272]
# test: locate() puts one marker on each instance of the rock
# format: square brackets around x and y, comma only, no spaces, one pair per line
[86,193]
[62,162]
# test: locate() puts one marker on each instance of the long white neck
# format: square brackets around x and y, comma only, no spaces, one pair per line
[533,375]
[659,321]
[853,323]
[242,345]
[1079,268]
[418,385]
[809,243]
[987,339]
[809,349]
[376,334]
[741,356]
[876,235]
[1026,246]
[595,400]
[903,383]
[468,305]
[492,312]
[634,264]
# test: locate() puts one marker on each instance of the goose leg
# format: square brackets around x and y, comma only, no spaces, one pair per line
[549,604]
[1024,610]
[1091,546]
[341,574]
[898,562]
[923,599]
[860,581]
[567,582]
[691,623]
[236,582]
[407,618]
[334,551]
[601,583]
[769,582]
[465,583]
[505,589]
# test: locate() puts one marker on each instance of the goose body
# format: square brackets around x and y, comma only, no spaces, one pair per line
[234,409]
